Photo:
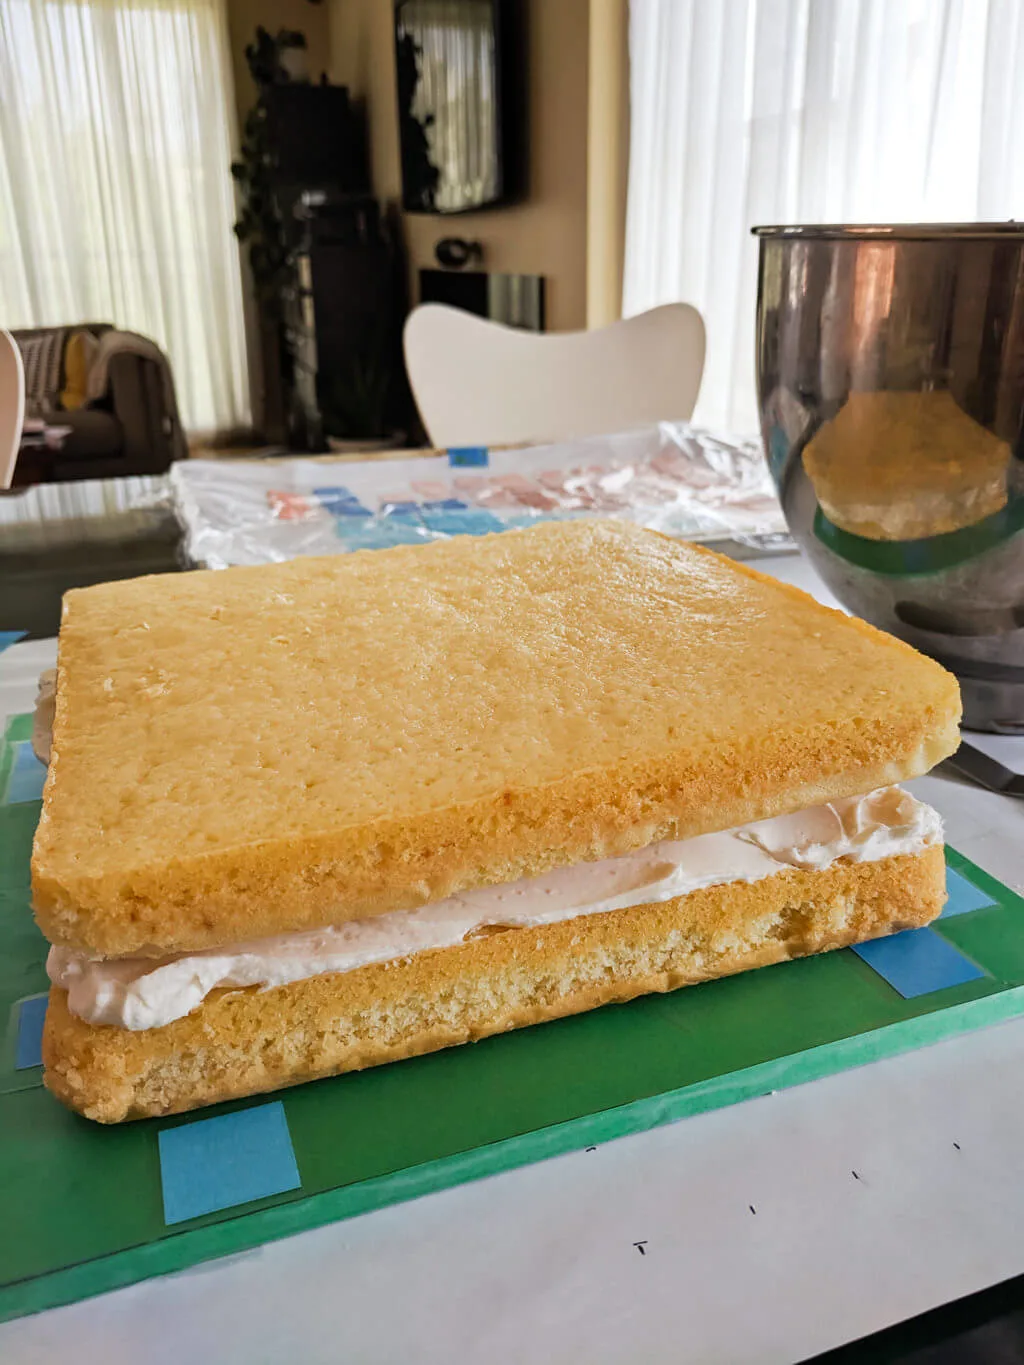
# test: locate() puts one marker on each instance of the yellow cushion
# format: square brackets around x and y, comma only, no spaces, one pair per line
[78,357]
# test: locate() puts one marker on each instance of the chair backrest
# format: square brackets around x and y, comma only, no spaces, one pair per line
[481,383]
[12,406]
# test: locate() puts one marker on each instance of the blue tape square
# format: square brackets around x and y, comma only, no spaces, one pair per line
[340,502]
[217,1163]
[379,533]
[468,521]
[408,510]
[464,457]
[334,493]
[917,962]
[27,775]
[964,896]
[11,637]
[29,1050]
[445,505]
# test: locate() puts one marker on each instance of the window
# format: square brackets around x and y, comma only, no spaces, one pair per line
[806,111]
[116,202]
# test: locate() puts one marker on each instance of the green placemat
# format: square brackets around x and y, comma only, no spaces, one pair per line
[83,1205]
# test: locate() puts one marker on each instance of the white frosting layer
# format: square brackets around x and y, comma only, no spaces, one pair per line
[142,993]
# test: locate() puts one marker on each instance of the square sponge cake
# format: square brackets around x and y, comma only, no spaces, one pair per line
[259,751]
[294,813]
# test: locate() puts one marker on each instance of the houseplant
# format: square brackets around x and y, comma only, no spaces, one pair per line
[261,225]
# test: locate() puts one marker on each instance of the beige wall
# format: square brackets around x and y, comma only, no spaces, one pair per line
[607,158]
[546,234]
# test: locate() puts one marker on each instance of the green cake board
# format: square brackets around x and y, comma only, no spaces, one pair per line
[83,1205]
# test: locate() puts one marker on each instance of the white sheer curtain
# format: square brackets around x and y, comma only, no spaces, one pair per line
[116,201]
[804,111]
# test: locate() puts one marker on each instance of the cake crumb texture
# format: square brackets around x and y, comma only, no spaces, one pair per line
[260,750]
[240,1043]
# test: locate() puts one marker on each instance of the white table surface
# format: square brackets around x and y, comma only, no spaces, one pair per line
[541,1265]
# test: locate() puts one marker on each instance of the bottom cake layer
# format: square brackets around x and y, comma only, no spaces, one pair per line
[244,1042]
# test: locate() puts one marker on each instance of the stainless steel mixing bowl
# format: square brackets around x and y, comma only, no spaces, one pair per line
[890,366]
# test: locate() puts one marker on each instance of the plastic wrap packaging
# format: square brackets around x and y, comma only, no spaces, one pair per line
[673,478]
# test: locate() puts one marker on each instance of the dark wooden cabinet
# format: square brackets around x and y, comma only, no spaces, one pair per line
[317,138]
[345,318]
[343,304]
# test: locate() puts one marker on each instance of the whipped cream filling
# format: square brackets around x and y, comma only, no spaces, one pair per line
[144,993]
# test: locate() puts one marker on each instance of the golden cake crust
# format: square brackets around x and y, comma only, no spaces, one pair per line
[261,750]
[241,1043]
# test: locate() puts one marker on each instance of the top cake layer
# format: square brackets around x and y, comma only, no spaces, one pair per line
[262,750]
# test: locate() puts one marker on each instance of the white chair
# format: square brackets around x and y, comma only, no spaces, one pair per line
[481,383]
[12,406]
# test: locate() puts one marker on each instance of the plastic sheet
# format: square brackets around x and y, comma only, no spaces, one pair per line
[673,478]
